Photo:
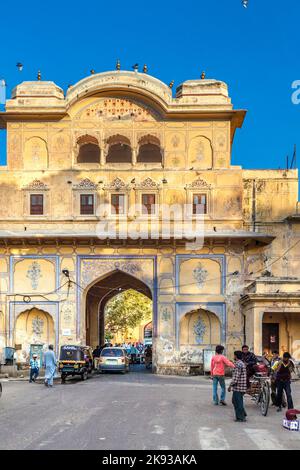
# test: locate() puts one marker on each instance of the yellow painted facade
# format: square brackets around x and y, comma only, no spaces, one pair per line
[124,133]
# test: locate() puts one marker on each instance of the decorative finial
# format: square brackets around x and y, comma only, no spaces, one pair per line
[203,75]
[92,72]
[145,68]
[171,84]
[39,76]
[118,65]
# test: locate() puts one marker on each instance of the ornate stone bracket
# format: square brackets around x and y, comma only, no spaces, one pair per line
[117,185]
[36,185]
[198,184]
[148,184]
[86,184]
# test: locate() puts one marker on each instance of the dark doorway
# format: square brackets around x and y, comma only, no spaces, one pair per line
[270,337]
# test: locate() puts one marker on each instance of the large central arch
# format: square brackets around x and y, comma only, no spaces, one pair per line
[100,293]
[104,272]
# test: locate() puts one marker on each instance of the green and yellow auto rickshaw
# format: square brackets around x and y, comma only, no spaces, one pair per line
[75,360]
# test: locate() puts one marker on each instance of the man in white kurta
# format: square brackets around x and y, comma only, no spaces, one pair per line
[50,366]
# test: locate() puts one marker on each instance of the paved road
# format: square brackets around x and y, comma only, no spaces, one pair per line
[136,411]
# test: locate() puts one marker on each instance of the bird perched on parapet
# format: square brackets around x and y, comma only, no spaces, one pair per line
[92,72]
[171,84]
[192,168]
[203,75]
[145,68]
[266,273]
[135,67]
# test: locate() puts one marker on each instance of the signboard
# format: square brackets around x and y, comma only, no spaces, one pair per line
[66,332]
[207,356]
[291,425]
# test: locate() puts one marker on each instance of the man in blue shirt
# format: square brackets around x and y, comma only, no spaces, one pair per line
[34,368]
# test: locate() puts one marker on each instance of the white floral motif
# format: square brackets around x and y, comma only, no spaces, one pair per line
[200,275]
[92,270]
[199,330]
[34,274]
[37,326]
[166,314]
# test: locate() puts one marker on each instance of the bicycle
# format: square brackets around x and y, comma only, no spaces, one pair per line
[260,392]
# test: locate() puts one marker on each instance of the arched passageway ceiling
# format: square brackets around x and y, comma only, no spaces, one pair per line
[107,287]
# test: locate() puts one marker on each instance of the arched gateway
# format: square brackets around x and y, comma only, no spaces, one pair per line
[100,279]
[99,294]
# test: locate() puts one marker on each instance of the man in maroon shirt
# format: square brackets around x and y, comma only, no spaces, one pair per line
[283,370]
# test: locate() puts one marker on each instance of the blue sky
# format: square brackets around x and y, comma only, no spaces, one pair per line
[254,50]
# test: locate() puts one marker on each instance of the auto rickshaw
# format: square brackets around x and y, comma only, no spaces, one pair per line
[75,360]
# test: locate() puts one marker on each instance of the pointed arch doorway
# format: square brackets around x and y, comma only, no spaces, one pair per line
[98,300]
[100,278]
[99,295]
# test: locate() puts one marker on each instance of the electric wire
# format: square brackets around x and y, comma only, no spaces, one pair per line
[28,297]
[265,268]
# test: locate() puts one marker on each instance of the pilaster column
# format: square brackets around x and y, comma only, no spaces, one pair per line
[257,330]
[102,156]
[134,155]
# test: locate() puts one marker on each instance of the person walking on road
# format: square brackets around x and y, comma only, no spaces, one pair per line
[50,366]
[34,368]
[238,386]
[133,354]
[275,358]
[217,372]
[283,369]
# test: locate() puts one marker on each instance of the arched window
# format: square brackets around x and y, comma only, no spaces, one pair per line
[149,150]
[89,151]
[119,150]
